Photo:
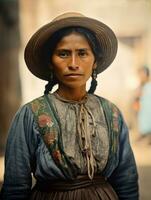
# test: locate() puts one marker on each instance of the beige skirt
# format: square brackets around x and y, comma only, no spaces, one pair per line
[81,188]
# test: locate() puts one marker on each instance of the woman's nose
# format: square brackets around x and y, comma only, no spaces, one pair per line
[73,64]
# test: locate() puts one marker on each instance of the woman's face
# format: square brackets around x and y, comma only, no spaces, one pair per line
[73,61]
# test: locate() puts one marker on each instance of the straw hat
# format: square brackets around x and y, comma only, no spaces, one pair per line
[34,49]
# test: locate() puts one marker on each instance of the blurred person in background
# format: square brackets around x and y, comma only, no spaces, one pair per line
[143,104]
[76,144]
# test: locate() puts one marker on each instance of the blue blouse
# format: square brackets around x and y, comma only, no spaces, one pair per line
[26,153]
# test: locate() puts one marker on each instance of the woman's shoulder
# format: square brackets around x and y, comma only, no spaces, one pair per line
[107,103]
[35,104]
[37,99]
[26,109]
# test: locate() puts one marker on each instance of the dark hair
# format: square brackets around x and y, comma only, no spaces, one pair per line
[146,70]
[57,36]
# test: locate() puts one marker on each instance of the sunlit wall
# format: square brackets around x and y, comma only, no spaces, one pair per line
[129,20]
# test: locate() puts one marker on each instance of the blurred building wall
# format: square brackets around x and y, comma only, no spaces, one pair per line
[130,20]
[10,90]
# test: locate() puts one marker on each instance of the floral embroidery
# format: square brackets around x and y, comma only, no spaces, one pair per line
[49,131]
[57,155]
[44,120]
[49,138]
[35,106]
[114,123]
[115,116]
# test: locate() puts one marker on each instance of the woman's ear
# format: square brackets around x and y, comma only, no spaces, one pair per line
[94,65]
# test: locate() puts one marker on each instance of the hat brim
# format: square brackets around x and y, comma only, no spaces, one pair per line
[33,51]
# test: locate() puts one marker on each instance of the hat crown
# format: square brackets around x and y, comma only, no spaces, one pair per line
[68,15]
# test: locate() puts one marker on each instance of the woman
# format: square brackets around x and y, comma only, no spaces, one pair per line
[75,143]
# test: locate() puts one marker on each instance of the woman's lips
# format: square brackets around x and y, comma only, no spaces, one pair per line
[73,75]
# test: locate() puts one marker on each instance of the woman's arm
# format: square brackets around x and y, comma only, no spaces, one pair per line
[19,157]
[125,177]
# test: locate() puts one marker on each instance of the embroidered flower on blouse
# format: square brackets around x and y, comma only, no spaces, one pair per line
[44,120]
[115,125]
[115,112]
[57,155]
[49,138]
[115,120]
[35,106]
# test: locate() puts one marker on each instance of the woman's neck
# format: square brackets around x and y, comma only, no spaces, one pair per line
[72,93]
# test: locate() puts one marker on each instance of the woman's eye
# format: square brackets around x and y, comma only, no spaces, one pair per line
[63,54]
[82,54]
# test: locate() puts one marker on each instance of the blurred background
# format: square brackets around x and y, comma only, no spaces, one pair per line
[129,19]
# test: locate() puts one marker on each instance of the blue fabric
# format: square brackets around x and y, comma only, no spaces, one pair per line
[123,176]
[26,153]
[144,116]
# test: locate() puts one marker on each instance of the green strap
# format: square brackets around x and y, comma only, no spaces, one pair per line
[113,119]
[49,128]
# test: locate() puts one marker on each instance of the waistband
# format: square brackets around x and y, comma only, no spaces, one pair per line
[66,185]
